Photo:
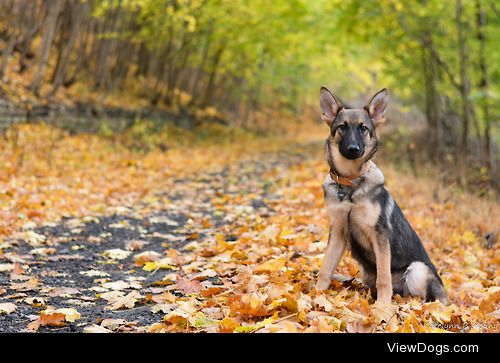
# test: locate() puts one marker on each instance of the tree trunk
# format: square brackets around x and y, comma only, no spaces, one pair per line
[34,14]
[199,73]
[105,50]
[211,77]
[48,37]
[483,83]
[82,62]
[61,37]
[62,67]
[7,52]
[431,97]
[464,80]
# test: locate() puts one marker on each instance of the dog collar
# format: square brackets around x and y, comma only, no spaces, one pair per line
[340,180]
[347,182]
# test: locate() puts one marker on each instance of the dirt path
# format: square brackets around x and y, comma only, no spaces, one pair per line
[72,264]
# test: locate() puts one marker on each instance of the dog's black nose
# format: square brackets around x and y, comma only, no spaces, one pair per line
[353,148]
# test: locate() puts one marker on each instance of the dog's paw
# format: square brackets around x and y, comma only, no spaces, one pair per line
[322,284]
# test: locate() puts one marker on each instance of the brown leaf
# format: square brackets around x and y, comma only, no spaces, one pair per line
[135,245]
[29,285]
[147,256]
[63,292]
[188,286]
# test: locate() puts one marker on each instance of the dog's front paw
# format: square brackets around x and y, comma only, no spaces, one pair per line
[322,284]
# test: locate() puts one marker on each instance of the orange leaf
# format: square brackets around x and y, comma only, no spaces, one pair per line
[248,305]
[55,320]
[227,325]
[211,291]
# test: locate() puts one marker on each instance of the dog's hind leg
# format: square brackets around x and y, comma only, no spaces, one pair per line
[421,281]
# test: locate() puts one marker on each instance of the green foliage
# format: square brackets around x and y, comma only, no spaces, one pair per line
[241,56]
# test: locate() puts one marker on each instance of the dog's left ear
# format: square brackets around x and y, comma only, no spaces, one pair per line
[377,106]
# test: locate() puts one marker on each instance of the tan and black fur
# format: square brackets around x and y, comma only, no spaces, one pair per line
[363,215]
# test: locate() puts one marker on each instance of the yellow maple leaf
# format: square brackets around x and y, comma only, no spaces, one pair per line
[438,311]
[164,263]
[273,265]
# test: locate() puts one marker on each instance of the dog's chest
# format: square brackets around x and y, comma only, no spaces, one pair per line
[354,213]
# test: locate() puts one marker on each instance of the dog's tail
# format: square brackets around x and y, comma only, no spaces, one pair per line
[421,281]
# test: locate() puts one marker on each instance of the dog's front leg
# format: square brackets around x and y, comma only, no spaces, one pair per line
[381,247]
[334,251]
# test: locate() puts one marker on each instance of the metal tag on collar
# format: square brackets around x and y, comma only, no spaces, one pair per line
[341,193]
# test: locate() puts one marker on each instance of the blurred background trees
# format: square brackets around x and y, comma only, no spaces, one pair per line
[250,62]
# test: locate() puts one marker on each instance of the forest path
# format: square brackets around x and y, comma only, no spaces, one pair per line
[74,263]
[236,248]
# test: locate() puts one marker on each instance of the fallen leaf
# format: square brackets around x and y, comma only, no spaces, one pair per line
[146,256]
[383,312]
[51,320]
[211,291]
[71,314]
[63,292]
[135,245]
[494,314]
[323,302]
[163,220]
[202,322]
[30,285]
[438,311]
[227,325]
[113,324]
[7,308]
[94,273]
[95,329]
[164,263]
[274,265]
[34,239]
[188,286]
[116,285]
[35,301]
[124,302]
[116,254]
[6,267]
[164,308]
[249,305]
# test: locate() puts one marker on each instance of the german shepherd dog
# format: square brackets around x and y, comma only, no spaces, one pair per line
[363,215]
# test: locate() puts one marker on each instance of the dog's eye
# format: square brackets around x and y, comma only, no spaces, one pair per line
[342,126]
[363,128]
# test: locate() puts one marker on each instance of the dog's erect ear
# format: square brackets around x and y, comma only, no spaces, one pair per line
[376,107]
[330,106]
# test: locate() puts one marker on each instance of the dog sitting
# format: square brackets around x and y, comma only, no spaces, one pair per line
[363,215]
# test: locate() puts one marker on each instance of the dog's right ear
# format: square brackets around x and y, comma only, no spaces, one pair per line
[330,106]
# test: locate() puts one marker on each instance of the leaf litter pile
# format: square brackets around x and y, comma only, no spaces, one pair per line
[214,238]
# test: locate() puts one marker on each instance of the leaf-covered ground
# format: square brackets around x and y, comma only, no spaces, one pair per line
[214,238]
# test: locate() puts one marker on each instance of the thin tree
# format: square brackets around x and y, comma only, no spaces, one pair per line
[50,27]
